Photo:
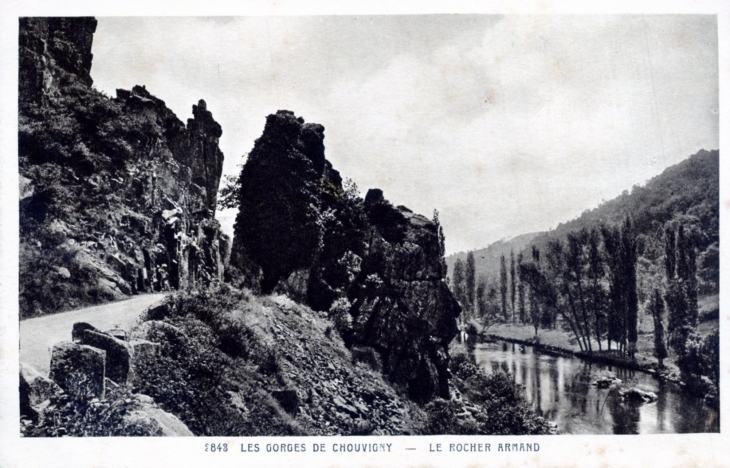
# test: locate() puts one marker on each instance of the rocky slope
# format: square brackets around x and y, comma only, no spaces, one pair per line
[117,196]
[377,268]
[225,362]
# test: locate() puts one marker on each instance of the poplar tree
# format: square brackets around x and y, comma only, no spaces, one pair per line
[470,280]
[681,295]
[656,307]
[520,289]
[513,285]
[503,285]
[632,299]
[458,281]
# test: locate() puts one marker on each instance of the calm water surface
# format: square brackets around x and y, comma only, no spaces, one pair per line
[559,388]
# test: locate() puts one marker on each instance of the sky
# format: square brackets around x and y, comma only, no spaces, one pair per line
[504,124]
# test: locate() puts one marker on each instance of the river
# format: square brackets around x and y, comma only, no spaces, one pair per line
[559,389]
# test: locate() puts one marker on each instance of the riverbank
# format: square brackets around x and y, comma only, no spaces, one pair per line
[560,343]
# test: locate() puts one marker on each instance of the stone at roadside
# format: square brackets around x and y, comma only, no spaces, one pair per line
[117,354]
[41,387]
[78,369]
[26,409]
[77,332]
[117,333]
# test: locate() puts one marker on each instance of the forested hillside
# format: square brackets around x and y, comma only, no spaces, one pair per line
[686,193]
[646,263]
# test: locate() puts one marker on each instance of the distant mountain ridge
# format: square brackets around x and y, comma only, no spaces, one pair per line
[486,260]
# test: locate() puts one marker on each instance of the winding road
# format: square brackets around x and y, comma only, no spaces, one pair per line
[38,335]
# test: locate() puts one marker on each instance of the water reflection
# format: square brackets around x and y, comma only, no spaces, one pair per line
[559,388]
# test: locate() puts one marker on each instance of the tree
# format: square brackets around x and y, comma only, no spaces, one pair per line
[513,289]
[621,258]
[442,239]
[469,282]
[616,320]
[458,286]
[632,299]
[503,285]
[597,296]
[230,192]
[486,308]
[669,253]
[541,292]
[656,307]
[481,297]
[681,295]
[520,290]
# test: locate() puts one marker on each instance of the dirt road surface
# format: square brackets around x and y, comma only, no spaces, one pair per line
[38,335]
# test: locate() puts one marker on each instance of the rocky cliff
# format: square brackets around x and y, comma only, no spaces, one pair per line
[117,196]
[377,268]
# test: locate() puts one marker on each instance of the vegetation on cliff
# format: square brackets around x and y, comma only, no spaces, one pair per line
[299,231]
[117,195]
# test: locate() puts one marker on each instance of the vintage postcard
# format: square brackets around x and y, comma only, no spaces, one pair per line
[328,235]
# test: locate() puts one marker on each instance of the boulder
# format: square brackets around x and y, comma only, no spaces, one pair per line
[78,330]
[78,369]
[41,387]
[118,358]
[144,348]
[605,382]
[637,395]
[172,340]
[26,409]
[117,333]
[153,421]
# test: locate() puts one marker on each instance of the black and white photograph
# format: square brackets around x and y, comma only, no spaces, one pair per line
[284,234]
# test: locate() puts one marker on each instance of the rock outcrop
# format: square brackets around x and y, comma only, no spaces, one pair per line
[380,268]
[54,52]
[119,195]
